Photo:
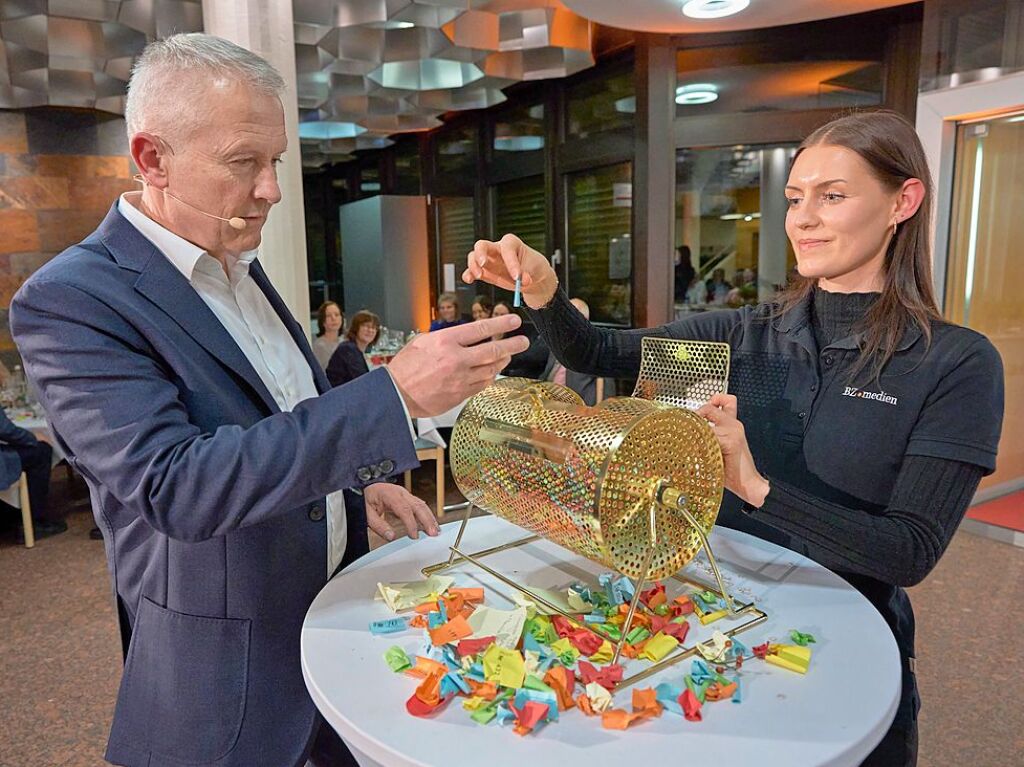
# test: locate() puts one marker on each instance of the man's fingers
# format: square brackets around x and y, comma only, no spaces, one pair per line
[496,351]
[424,517]
[475,332]
[376,522]
[408,519]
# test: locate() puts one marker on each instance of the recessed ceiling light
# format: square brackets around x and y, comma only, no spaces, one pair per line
[713,9]
[697,93]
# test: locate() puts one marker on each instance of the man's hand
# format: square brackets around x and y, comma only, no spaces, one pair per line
[741,474]
[438,370]
[414,514]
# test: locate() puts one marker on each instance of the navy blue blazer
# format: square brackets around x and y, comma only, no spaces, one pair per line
[15,436]
[346,364]
[211,500]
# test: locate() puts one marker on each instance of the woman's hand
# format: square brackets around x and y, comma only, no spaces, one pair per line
[501,262]
[741,475]
[382,497]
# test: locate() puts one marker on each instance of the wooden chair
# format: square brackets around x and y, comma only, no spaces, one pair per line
[428,451]
[26,509]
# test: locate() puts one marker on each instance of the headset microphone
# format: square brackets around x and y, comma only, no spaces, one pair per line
[236,223]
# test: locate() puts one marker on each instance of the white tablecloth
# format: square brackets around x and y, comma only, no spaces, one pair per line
[427,428]
[835,715]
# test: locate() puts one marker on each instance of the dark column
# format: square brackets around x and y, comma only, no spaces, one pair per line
[654,181]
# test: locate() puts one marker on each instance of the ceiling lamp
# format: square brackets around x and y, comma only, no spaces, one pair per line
[713,9]
[326,130]
[470,97]
[537,63]
[425,74]
[698,93]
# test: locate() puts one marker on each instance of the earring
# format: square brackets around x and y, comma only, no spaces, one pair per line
[894,225]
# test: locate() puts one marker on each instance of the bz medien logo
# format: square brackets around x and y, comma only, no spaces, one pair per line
[880,396]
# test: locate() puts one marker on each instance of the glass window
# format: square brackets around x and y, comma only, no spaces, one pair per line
[599,214]
[407,167]
[520,130]
[520,208]
[456,151]
[985,270]
[723,81]
[456,235]
[963,37]
[601,104]
[730,225]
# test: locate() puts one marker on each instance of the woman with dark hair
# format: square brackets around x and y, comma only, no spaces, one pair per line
[329,321]
[482,308]
[867,421]
[349,361]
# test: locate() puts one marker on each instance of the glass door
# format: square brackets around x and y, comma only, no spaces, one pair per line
[730,226]
[456,234]
[599,207]
[985,269]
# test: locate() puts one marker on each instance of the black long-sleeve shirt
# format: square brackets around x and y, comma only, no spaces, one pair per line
[898,544]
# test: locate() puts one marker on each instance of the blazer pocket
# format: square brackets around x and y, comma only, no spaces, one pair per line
[184,685]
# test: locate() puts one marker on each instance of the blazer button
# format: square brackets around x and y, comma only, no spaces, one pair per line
[387,466]
[316,513]
[377,473]
[363,474]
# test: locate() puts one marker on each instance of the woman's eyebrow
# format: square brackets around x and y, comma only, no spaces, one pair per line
[820,183]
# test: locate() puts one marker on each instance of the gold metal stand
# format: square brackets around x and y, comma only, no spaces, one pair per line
[754,615]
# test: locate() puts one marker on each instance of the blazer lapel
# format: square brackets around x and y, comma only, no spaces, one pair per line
[171,293]
[295,330]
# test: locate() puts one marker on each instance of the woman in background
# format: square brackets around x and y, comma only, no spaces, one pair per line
[329,321]
[482,308]
[349,360]
[447,312]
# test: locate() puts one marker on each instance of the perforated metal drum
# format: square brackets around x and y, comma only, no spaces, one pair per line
[585,477]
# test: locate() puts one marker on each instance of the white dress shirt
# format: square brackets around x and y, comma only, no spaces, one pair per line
[245,312]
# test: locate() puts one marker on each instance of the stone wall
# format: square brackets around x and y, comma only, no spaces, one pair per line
[60,171]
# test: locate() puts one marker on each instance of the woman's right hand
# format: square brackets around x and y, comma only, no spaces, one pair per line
[500,263]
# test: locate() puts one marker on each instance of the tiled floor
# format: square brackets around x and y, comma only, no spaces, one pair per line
[60,652]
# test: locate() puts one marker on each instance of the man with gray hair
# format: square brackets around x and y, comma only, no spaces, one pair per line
[218,458]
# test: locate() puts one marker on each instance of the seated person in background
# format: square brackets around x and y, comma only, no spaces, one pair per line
[447,312]
[20,451]
[718,288]
[329,321]
[591,388]
[348,361]
[482,308]
[745,291]
[697,292]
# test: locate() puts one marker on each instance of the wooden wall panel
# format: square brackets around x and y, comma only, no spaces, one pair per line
[50,200]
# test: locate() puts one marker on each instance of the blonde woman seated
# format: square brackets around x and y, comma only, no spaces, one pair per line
[348,361]
[447,312]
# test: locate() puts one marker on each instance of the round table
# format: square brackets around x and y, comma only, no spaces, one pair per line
[835,715]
